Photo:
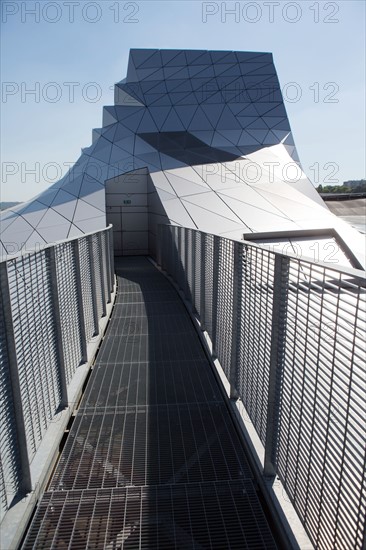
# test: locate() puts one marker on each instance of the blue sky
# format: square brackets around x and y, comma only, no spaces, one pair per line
[71,53]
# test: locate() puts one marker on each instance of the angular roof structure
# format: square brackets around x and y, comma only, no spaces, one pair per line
[212,131]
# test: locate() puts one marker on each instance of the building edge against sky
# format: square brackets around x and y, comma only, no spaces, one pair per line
[202,138]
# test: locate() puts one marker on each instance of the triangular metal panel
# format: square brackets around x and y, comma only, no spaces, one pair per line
[186,113]
[198,57]
[173,58]
[221,56]
[182,187]
[159,115]
[147,123]
[66,209]
[172,123]
[209,221]
[141,55]
[200,121]
[85,211]
[176,72]
[202,71]
[177,213]
[145,61]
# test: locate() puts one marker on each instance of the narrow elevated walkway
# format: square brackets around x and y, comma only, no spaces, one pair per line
[153,459]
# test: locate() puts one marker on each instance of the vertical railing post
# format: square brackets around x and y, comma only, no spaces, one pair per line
[92,262]
[111,257]
[107,252]
[24,473]
[168,249]
[165,247]
[172,254]
[172,250]
[193,276]
[180,266]
[51,252]
[79,290]
[203,282]
[175,254]
[236,319]
[159,246]
[183,279]
[278,334]
[187,252]
[171,257]
[102,273]
[175,269]
[215,288]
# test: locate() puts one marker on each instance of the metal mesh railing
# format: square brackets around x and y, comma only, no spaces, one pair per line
[69,306]
[86,285]
[97,273]
[323,406]
[35,337]
[256,269]
[9,455]
[290,335]
[51,303]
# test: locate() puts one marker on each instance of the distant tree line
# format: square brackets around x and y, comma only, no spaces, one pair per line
[361,188]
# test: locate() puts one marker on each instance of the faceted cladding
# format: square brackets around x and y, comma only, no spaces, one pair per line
[211,129]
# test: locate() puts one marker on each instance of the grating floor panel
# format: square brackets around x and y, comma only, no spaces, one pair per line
[153,459]
[145,284]
[142,348]
[167,324]
[150,446]
[147,296]
[213,515]
[141,309]
[118,385]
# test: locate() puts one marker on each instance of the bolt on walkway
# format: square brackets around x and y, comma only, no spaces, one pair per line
[153,459]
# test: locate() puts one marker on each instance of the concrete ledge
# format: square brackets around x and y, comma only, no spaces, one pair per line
[15,522]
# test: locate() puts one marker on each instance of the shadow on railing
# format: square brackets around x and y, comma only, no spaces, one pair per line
[51,304]
[290,336]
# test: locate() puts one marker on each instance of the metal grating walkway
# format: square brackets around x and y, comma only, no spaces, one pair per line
[153,459]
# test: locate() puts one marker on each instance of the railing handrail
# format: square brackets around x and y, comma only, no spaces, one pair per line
[345,270]
[54,243]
